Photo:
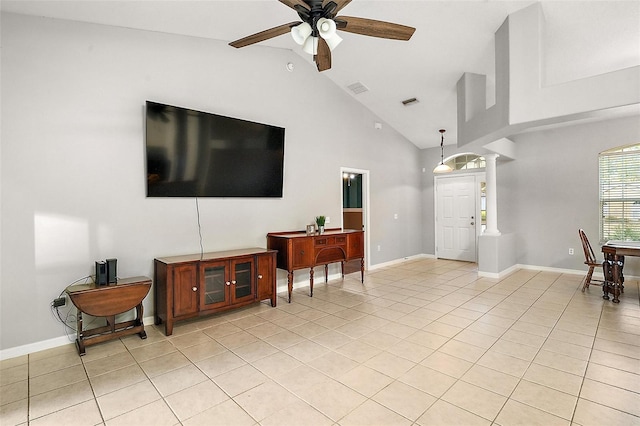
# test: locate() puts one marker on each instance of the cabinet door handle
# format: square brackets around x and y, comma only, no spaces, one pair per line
[259,276]
[233,282]
[228,283]
[194,288]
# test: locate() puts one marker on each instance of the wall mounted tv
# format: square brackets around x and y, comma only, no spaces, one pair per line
[197,154]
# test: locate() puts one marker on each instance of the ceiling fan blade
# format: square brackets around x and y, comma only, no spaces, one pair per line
[293,3]
[264,35]
[373,28]
[341,4]
[323,57]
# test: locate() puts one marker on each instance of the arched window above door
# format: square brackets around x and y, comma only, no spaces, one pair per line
[466,162]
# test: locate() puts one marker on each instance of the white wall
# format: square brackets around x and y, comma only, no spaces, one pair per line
[552,190]
[548,193]
[73,175]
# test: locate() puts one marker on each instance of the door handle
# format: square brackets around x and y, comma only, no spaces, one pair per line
[228,283]
[194,288]
[472,223]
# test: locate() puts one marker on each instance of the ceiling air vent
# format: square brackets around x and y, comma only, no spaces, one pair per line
[358,88]
[410,101]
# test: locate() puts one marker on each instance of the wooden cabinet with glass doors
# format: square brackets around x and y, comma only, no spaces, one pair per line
[194,285]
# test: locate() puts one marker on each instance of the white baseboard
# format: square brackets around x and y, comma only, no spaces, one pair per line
[499,275]
[550,269]
[398,261]
[301,276]
[516,267]
[502,274]
[48,344]
[34,347]
[302,281]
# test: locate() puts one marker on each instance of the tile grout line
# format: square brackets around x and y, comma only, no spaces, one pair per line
[584,376]
[93,392]
[487,350]
[367,298]
[538,351]
[452,338]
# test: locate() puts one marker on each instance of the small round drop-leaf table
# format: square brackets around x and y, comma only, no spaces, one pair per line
[108,301]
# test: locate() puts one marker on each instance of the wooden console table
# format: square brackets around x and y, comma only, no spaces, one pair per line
[108,301]
[297,250]
[614,253]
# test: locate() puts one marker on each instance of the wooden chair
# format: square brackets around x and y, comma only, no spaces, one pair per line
[590,261]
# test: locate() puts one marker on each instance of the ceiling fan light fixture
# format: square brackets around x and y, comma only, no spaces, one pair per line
[326,28]
[301,33]
[316,31]
[328,31]
[310,45]
[333,42]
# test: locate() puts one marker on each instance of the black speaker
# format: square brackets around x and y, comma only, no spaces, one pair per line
[101,272]
[112,271]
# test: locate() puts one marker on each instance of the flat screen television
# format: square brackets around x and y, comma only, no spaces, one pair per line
[197,154]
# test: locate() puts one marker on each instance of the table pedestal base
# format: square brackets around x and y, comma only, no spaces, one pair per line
[110,331]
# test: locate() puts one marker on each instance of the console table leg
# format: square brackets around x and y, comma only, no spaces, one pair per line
[311,282]
[290,284]
[362,270]
[326,273]
[342,268]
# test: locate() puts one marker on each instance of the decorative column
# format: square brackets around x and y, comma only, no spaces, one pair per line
[492,195]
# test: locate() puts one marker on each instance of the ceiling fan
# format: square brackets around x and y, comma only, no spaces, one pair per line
[317,30]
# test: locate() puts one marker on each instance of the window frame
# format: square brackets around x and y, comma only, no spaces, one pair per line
[466,161]
[619,193]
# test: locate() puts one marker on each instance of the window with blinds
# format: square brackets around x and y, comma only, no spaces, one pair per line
[620,194]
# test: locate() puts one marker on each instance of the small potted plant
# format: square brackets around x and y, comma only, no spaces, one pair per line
[320,222]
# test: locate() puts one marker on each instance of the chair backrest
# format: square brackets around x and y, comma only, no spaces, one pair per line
[589,256]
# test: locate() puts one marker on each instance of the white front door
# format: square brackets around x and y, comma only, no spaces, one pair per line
[456,218]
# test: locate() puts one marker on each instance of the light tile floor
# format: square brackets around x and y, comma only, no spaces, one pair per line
[425,342]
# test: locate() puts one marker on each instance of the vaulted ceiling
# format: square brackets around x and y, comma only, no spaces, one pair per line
[580,39]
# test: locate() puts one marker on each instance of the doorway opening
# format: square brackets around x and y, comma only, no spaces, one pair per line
[354,184]
[352,216]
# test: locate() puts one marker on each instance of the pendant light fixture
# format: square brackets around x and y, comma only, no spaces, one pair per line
[442,168]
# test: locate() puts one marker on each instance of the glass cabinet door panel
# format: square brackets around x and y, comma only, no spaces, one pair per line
[214,285]
[242,275]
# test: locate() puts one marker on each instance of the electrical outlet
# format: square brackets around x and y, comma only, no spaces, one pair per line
[571,251]
[327,220]
[378,247]
[60,301]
